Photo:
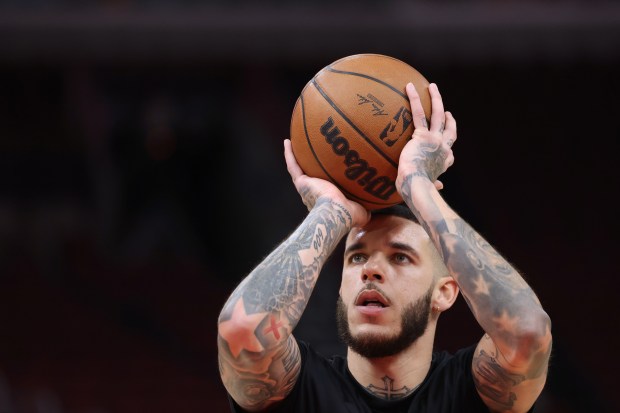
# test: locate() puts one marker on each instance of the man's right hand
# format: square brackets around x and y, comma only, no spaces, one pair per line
[312,189]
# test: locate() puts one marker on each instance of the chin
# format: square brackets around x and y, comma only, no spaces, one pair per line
[374,332]
[374,345]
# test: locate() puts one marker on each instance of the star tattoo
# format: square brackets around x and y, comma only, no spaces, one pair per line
[237,338]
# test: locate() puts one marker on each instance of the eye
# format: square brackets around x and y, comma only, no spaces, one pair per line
[400,258]
[357,258]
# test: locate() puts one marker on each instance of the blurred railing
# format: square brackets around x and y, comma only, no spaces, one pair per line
[156,30]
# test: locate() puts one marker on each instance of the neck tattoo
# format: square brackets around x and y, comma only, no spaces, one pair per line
[388,392]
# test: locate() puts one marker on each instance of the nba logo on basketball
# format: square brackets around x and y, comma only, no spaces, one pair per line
[391,133]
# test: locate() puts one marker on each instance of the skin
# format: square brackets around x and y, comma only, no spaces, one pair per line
[396,255]
[258,356]
[393,255]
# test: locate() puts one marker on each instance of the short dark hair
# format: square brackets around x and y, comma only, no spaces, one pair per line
[400,210]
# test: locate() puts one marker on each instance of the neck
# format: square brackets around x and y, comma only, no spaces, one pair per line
[395,376]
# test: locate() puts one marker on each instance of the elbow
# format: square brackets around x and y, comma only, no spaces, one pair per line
[537,329]
[532,343]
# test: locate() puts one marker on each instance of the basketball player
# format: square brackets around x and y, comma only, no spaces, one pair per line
[403,267]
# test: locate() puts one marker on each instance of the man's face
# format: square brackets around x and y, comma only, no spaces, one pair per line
[387,285]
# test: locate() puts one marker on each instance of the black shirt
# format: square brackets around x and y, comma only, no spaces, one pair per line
[325,385]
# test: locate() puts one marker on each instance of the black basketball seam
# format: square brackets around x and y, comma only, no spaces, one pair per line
[303,117]
[374,79]
[344,72]
[337,109]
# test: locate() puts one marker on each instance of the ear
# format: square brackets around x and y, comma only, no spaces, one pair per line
[445,294]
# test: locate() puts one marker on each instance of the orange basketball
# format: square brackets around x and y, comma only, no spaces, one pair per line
[351,122]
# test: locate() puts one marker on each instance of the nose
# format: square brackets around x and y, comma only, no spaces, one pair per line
[373,271]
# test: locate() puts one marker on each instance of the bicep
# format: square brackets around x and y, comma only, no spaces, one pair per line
[257,381]
[507,388]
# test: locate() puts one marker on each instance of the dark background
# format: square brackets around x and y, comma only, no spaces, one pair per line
[141,177]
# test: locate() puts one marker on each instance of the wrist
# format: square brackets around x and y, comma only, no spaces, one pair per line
[344,213]
[406,179]
[344,217]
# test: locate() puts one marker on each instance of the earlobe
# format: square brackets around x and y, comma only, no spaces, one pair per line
[447,291]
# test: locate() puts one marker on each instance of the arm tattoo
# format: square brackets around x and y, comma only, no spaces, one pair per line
[494,382]
[431,161]
[255,384]
[407,197]
[263,366]
[308,197]
[498,296]
[284,280]
[496,293]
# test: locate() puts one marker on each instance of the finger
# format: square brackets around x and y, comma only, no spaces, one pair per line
[438,116]
[450,130]
[438,184]
[419,117]
[291,163]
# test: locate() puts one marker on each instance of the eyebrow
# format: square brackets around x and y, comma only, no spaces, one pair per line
[404,247]
[354,247]
[395,245]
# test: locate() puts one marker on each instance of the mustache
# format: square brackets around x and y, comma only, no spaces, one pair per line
[369,287]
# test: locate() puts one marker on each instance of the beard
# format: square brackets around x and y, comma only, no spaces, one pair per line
[413,324]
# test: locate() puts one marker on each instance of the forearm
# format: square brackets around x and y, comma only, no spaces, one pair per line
[498,296]
[282,283]
[259,361]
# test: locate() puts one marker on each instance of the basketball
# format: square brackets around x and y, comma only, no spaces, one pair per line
[352,120]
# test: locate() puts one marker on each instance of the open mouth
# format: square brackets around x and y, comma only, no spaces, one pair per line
[371,298]
[370,303]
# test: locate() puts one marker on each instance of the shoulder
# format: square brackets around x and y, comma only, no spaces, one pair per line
[322,380]
[453,361]
[314,364]
[454,369]
[449,386]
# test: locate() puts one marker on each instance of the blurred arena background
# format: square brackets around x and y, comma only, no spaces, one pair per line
[141,177]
